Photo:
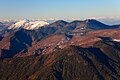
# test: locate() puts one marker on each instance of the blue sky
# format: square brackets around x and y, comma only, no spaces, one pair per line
[21,9]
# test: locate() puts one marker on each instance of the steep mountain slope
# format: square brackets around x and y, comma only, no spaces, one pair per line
[18,41]
[70,63]
[45,41]
[1,38]
[49,44]
[15,44]
[59,41]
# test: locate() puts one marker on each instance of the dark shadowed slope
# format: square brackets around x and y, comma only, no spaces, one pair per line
[99,62]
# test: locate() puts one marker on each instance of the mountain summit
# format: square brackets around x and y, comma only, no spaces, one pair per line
[29,25]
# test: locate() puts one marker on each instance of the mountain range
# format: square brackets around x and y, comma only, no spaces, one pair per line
[77,50]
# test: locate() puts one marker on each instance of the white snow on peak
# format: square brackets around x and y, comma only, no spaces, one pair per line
[29,25]
[117,40]
[35,25]
[18,24]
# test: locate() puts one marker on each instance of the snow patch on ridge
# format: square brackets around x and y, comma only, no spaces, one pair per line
[117,40]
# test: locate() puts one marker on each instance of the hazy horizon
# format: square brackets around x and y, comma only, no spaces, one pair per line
[61,9]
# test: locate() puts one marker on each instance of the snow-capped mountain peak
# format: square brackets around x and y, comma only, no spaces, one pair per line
[18,24]
[26,24]
[35,25]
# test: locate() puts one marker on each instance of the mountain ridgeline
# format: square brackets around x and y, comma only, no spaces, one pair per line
[59,26]
[78,50]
